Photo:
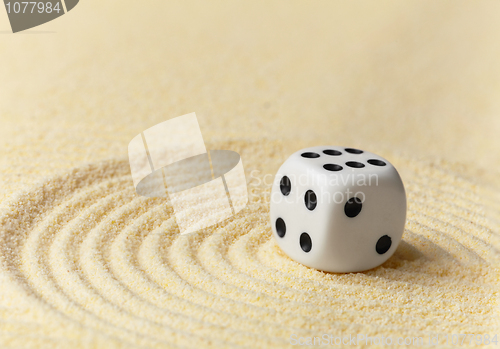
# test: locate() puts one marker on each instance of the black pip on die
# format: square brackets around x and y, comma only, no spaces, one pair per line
[338,209]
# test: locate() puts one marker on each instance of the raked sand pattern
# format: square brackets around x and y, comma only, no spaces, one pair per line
[99,266]
[86,263]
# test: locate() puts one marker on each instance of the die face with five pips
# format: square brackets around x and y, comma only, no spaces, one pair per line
[338,209]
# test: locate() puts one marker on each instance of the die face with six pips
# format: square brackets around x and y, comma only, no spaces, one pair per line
[338,209]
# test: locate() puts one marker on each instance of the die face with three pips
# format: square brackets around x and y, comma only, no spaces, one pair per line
[338,209]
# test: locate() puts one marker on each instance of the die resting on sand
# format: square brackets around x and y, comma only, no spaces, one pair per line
[338,209]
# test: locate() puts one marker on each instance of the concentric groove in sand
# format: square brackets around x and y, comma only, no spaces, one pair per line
[50,290]
[115,265]
[151,259]
[125,269]
[269,277]
[206,329]
[96,271]
[338,303]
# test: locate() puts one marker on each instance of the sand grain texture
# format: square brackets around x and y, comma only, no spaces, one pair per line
[86,263]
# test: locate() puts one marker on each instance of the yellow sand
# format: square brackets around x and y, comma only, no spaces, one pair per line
[86,263]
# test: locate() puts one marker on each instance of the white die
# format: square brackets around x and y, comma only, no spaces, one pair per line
[338,209]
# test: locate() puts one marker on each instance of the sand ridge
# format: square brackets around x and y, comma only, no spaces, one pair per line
[85,263]
[86,251]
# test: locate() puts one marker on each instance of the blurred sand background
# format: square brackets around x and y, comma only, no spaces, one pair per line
[418,77]
[417,82]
